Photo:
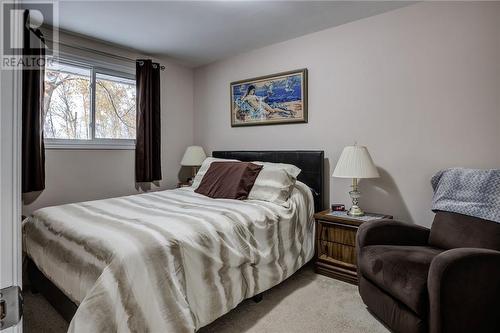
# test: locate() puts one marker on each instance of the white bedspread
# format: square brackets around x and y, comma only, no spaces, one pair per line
[169,261]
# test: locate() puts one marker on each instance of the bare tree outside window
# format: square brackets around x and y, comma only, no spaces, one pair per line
[115,107]
[67,103]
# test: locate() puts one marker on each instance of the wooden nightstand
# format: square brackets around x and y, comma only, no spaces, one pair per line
[183,184]
[336,244]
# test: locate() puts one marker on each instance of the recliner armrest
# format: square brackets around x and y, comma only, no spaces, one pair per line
[391,232]
[464,291]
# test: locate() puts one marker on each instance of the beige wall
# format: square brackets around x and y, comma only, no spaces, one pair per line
[79,175]
[420,86]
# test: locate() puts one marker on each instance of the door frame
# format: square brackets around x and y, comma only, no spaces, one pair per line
[10,180]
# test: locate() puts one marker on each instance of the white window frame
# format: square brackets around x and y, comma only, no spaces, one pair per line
[93,142]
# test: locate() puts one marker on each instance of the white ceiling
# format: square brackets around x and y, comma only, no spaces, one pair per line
[200,32]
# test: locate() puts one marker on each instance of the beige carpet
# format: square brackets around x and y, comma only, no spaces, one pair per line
[306,302]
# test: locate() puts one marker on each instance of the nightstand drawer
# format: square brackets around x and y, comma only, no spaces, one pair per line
[337,251]
[332,232]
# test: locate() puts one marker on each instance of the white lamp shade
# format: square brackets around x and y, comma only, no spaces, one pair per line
[355,162]
[194,156]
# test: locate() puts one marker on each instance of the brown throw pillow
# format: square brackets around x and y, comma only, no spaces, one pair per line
[229,180]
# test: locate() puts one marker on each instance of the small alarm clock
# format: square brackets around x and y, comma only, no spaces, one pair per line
[338,207]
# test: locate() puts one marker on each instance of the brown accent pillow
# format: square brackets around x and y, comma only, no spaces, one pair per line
[229,180]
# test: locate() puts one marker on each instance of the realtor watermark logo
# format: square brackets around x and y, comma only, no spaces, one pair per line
[29,34]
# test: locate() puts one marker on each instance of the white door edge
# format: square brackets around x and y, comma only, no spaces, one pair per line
[10,181]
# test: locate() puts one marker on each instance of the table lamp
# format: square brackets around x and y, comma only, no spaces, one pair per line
[355,162]
[193,157]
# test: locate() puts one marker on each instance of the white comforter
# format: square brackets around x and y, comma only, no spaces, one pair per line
[169,261]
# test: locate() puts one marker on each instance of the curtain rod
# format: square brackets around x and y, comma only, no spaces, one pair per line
[106,54]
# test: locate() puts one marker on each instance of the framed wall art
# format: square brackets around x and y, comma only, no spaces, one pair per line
[272,99]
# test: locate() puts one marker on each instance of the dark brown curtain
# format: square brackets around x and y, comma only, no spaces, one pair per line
[148,138]
[33,150]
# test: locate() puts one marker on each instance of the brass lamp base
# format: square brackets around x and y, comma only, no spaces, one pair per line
[355,211]
[355,195]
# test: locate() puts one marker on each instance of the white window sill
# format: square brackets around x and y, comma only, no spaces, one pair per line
[90,145]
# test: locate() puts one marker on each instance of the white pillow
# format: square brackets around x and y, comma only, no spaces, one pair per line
[291,169]
[274,183]
[204,167]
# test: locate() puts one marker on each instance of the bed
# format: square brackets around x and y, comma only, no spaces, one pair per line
[171,261]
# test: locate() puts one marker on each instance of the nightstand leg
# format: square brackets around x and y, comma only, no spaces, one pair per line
[258,298]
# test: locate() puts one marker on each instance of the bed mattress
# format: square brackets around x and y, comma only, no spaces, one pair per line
[167,261]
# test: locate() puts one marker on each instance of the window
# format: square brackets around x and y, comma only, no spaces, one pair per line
[115,107]
[67,103]
[87,106]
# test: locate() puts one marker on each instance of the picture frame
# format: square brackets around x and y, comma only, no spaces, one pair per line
[273,99]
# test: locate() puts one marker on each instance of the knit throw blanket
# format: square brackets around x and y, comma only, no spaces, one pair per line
[472,192]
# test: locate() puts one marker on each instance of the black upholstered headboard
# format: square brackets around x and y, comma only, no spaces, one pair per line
[309,161]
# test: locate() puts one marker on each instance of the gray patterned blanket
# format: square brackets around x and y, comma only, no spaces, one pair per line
[472,192]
